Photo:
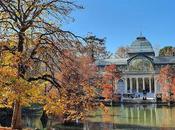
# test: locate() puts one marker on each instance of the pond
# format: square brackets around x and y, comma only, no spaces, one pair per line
[132,117]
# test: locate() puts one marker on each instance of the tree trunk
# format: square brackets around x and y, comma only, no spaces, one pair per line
[16,117]
[21,37]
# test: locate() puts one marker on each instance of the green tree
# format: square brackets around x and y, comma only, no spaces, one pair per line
[167,51]
[95,48]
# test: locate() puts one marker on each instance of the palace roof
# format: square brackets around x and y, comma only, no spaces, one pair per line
[124,61]
[104,62]
[164,60]
[141,45]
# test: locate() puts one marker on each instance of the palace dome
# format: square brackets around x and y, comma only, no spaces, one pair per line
[141,45]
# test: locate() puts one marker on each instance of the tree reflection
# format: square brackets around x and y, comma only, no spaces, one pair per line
[118,117]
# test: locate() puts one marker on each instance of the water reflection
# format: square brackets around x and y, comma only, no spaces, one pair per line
[119,117]
[32,121]
[134,116]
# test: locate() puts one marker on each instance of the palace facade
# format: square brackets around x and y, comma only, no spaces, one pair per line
[139,70]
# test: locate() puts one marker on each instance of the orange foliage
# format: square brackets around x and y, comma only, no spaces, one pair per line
[110,76]
[78,80]
[111,73]
[167,80]
[107,91]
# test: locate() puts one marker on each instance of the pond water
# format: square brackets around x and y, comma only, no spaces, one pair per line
[134,117]
[130,117]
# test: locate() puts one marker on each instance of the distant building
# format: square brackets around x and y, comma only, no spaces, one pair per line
[139,70]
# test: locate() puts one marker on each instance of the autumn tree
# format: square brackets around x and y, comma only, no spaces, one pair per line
[167,51]
[122,52]
[31,45]
[95,48]
[111,74]
[167,80]
[107,91]
[78,79]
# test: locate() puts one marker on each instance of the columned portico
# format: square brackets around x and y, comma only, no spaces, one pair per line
[142,82]
[126,85]
[150,84]
[137,85]
[143,79]
[130,81]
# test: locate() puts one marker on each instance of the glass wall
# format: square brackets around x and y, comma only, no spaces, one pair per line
[141,64]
